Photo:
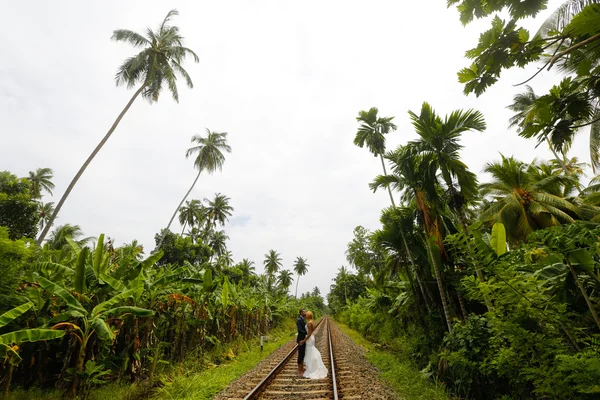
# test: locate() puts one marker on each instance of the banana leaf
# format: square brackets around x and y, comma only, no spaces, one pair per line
[137,311]
[16,312]
[30,335]
[102,329]
[98,256]
[65,317]
[74,245]
[48,267]
[498,239]
[62,293]
[80,271]
[112,282]
[7,352]
[102,307]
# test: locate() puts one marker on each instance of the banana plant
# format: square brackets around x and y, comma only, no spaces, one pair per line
[10,341]
[87,323]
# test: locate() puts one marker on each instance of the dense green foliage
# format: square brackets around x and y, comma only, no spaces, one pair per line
[117,315]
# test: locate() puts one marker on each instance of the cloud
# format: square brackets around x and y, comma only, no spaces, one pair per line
[286,80]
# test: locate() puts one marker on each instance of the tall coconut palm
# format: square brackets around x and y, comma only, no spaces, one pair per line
[523,201]
[46,210]
[209,158]
[218,210]
[226,259]
[285,279]
[272,262]
[301,268]
[41,179]
[218,242]
[58,238]
[191,214]
[247,267]
[371,133]
[150,70]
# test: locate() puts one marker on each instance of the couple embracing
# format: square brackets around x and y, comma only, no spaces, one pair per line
[307,350]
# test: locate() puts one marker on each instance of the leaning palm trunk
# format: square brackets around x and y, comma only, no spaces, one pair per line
[414,269]
[85,165]
[384,174]
[438,278]
[162,238]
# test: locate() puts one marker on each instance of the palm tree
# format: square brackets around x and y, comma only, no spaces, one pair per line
[438,144]
[371,132]
[524,200]
[58,238]
[413,174]
[285,279]
[301,268]
[247,267]
[210,158]
[151,69]
[218,242]
[46,210]
[41,179]
[226,259]
[191,214]
[272,262]
[218,210]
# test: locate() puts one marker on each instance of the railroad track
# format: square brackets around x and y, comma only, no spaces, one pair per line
[280,380]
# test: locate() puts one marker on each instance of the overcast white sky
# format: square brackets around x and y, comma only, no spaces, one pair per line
[285,79]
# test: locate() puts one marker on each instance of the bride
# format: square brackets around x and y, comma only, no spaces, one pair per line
[315,369]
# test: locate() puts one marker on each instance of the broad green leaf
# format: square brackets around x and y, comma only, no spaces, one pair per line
[30,335]
[584,259]
[65,317]
[498,238]
[112,282]
[193,280]
[74,245]
[102,307]
[137,311]
[48,267]
[152,259]
[7,352]
[80,271]
[98,256]
[16,312]
[208,280]
[102,329]
[62,293]
[225,292]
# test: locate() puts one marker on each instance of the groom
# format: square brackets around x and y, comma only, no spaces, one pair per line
[301,325]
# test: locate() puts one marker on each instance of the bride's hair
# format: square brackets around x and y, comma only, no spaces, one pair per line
[309,315]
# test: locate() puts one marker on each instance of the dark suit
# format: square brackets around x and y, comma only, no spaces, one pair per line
[301,325]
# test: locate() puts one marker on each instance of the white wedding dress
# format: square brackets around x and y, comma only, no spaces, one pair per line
[315,368]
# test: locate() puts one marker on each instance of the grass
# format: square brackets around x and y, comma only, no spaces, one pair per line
[398,371]
[190,380]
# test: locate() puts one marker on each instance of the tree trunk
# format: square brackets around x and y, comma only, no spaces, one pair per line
[298,281]
[385,173]
[8,380]
[438,278]
[177,209]
[183,229]
[585,295]
[414,268]
[560,160]
[79,365]
[85,165]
